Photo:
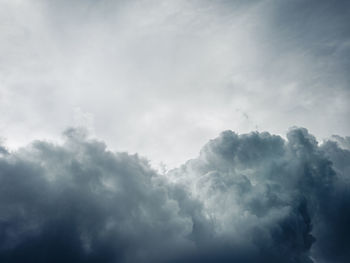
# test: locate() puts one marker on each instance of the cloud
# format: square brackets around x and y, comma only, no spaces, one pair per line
[78,202]
[286,200]
[184,66]
[247,198]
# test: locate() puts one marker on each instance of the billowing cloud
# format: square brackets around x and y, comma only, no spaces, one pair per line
[79,202]
[247,198]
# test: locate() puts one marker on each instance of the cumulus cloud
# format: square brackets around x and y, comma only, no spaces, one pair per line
[247,198]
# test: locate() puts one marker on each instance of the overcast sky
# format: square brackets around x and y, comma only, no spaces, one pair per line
[206,92]
[161,78]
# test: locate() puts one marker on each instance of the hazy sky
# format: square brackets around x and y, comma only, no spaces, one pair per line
[162,77]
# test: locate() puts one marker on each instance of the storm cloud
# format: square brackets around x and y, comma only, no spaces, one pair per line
[246,198]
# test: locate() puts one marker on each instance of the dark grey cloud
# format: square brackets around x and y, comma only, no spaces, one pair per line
[80,203]
[247,198]
[289,200]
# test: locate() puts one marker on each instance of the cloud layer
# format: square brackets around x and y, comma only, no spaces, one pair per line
[247,198]
[172,71]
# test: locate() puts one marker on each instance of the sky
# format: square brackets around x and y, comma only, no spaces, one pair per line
[174,131]
[161,78]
